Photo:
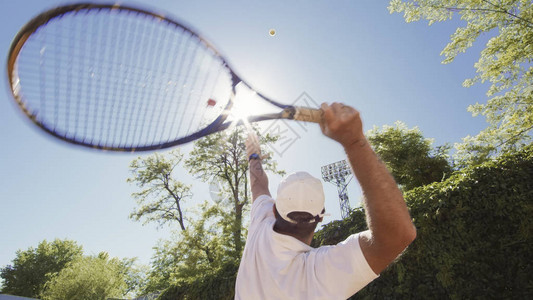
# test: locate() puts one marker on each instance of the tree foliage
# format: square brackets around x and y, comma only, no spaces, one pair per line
[89,278]
[409,156]
[203,247]
[505,62]
[221,158]
[135,275]
[162,195]
[32,267]
[217,283]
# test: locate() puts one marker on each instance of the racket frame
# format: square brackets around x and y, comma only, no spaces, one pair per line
[219,124]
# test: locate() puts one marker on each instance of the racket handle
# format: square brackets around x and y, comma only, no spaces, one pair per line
[308,114]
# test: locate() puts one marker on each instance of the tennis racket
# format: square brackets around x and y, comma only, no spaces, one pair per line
[121,78]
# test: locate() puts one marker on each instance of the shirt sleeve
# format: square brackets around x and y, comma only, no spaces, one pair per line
[261,209]
[342,269]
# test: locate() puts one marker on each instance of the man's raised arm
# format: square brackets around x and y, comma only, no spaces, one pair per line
[390,227]
[258,177]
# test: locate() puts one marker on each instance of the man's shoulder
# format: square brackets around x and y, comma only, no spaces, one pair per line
[347,247]
[261,203]
[261,210]
[263,198]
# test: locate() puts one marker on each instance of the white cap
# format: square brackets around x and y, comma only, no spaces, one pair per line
[300,192]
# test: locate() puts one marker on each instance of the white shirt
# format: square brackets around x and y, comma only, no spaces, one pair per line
[278,266]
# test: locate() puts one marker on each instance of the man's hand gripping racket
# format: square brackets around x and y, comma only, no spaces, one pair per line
[342,123]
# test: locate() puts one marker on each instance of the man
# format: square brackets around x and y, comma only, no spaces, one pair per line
[278,262]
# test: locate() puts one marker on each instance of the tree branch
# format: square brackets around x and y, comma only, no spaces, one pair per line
[514,136]
[456,9]
[177,199]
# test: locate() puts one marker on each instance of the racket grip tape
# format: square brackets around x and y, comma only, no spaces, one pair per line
[308,114]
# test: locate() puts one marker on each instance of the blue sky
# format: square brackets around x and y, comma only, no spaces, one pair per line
[347,51]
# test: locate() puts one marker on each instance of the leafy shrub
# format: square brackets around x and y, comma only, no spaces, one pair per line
[474,239]
[219,284]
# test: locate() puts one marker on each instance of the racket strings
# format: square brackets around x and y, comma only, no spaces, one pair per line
[136,106]
[119,79]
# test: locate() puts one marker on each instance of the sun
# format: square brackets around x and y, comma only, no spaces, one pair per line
[244,103]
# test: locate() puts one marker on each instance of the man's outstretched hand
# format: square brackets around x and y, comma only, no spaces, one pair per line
[252,144]
[258,178]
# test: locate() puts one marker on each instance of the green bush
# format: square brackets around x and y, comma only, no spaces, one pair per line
[219,284]
[475,236]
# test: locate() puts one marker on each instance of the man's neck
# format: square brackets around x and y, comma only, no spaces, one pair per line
[306,240]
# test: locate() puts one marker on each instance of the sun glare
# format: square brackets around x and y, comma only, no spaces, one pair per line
[244,103]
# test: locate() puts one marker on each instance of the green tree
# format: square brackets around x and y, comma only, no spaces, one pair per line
[505,63]
[200,249]
[31,268]
[135,276]
[90,278]
[161,197]
[221,158]
[409,156]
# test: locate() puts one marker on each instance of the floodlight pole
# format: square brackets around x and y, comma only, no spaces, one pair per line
[337,173]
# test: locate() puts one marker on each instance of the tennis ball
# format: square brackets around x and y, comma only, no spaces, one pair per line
[272,32]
